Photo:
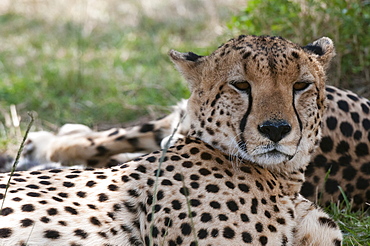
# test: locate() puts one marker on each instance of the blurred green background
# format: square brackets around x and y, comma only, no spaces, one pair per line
[104,63]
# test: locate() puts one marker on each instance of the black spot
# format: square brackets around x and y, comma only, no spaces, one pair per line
[72,176]
[230,184]
[307,189]
[247,237]
[205,217]
[166,182]
[147,127]
[187,164]
[254,206]
[81,233]
[206,156]
[362,149]
[342,147]
[280,221]
[228,233]
[214,233]
[346,129]
[295,54]
[45,219]
[19,180]
[43,177]
[259,186]
[26,222]
[331,123]
[365,168]
[263,240]
[52,211]
[177,177]
[215,204]
[57,199]
[176,205]
[133,193]
[202,233]
[204,171]
[175,158]
[28,208]
[151,159]
[223,217]
[232,206]
[194,150]
[62,194]
[267,214]
[326,144]
[170,168]
[365,108]
[43,182]
[63,223]
[362,183]
[52,234]
[184,191]
[331,186]
[195,202]
[366,124]
[70,210]
[259,227]
[246,169]
[185,229]
[352,97]
[32,186]
[246,55]
[68,184]
[190,56]
[5,232]
[115,132]
[35,173]
[212,188]
[343,105]
[6,211]
[355,117]
[349,173]
[357,135]
[243,187]
[327,221]
[135,176]
[95,221]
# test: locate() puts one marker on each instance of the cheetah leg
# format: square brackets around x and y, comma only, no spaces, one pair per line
[314,226]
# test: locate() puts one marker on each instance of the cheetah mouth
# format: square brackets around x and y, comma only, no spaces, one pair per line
[271,157]
[269,154]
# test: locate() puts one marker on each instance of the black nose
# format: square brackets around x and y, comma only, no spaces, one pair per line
[275,130]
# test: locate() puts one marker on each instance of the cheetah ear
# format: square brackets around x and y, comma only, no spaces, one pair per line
[324,49]
[189,65]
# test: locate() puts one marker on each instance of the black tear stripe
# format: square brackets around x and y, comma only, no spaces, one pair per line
[299,119]
[243,122]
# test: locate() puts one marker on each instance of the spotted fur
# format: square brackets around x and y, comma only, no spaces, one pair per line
[236,184]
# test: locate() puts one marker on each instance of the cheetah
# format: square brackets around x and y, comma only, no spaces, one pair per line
[342,159]
[255,109]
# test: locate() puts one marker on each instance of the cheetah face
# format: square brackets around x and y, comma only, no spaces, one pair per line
[258,98]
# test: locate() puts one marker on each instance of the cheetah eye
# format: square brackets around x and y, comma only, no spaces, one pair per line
[300,86]
[241,85]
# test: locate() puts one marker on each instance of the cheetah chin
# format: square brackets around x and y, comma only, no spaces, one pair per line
[270,155]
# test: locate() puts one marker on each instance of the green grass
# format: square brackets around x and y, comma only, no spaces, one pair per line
[354,225]
[110,73]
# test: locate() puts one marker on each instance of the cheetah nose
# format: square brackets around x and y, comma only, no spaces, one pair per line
[275,130]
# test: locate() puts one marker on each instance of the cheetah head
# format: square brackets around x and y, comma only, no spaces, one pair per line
[258,98]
